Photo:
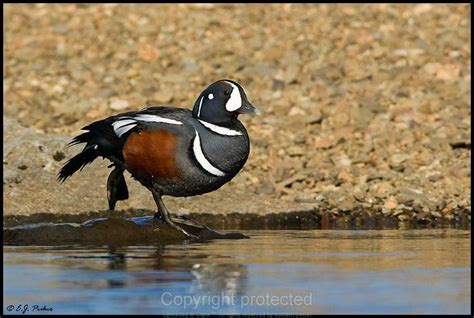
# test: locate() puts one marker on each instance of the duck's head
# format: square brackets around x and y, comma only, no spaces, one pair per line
[222,101]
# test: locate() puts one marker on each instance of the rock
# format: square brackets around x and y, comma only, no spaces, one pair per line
[295,111]
[267,187]
[305,198]
[448,72]
[296,151]
[359,194]
[397,168]
[278,84]
[390,203]
[109,231]
[431,68]
[384,189]
[148,53]
[324,142]
[347,204]
[315,119]
[118,104]
[345,175]
[399,158]
[344,161]
[375,176]
[412,52]
[436,214]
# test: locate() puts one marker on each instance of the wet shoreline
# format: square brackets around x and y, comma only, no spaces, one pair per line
[303,219]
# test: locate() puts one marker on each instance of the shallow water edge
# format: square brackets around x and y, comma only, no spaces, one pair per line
[306,219]
[332,271]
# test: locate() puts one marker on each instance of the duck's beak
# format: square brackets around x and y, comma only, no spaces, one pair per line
[248,109]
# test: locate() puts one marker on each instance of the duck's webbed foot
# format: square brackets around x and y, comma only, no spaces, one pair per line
[164,216]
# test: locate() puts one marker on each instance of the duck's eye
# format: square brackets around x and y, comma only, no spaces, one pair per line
[210,96]
[227,93]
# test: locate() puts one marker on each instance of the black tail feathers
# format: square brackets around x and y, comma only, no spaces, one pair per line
[85,137]
[77,162]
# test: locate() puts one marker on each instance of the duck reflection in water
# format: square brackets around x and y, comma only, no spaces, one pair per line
[165,265]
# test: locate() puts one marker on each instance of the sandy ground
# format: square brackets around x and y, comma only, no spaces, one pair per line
[366,107]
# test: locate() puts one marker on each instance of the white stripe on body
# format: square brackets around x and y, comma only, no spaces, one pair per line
[124,124]
[202,160]
[156,119]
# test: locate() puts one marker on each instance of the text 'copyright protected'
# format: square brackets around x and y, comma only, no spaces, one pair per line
[217,301]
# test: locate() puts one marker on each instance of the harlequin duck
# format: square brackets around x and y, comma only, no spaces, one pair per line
[171,151]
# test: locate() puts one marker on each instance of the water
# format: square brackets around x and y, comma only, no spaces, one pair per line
[315,271]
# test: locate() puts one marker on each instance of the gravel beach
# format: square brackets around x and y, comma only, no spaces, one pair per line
[366,108]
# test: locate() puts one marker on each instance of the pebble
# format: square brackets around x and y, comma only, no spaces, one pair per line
[118,104]
[390,203]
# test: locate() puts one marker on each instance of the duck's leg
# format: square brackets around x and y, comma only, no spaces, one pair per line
[164,215]
[116,187]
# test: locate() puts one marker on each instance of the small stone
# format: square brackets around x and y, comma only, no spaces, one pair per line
[296,151]
[296,111]
[374,176]
[359,194]
[148,53]
[436,214]
[304,198]
[384,190]
[324,142]
[399,158]
[346,205]
[448,72]
[278,84]
[315,119]
[345,175]
[397,168]
[390,203]
[409,52]
[267,187]
[59,155]
[118,104]
[403,217]
[343,161]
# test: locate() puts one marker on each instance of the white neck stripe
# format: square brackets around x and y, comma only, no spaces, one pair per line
[202,160]
[220,130]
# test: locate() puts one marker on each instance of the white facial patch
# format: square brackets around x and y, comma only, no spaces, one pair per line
[210,96]
[202,160]
[235,100]
[220,130]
